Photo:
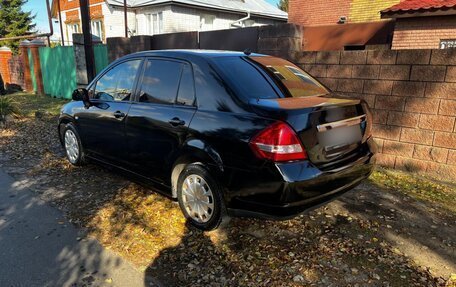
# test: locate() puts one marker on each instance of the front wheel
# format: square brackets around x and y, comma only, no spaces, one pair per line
[73,146]
[200,197]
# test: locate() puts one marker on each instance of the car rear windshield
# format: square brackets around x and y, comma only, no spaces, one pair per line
[266,77]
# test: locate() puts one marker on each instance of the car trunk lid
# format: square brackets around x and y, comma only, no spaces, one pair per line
[332,130]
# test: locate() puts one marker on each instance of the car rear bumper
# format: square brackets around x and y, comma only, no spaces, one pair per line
[303,187]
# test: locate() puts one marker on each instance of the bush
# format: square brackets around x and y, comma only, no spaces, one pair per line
[8,108]
[13,88]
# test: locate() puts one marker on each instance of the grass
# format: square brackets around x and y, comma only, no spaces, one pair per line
[29,103]
[421,188]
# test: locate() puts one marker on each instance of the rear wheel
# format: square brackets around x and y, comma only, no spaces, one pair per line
[73,146]
[200,197]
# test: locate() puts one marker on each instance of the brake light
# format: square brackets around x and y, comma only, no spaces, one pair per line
[278,142]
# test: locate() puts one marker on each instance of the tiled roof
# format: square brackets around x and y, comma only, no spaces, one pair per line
[256,7]
[420,5]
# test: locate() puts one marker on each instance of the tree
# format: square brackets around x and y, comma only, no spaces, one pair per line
[14,22]
[283,5]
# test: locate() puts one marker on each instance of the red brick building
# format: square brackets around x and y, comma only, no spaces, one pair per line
[332,12]
[423,24]
[315,12]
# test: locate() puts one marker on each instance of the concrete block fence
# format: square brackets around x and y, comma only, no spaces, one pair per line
[412,94]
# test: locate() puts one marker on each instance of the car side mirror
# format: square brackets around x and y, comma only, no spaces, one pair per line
[81,95]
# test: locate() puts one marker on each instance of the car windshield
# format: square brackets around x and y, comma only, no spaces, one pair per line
[249,76]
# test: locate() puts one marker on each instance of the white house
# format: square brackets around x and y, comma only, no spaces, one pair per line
[150,17]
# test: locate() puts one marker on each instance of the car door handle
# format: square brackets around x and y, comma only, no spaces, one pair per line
[119,115]
[176,122]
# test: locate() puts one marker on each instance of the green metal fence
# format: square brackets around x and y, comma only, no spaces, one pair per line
[59,71]
[101,57]
[32,69]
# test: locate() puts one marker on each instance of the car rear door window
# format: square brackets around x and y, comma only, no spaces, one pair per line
[117,83]
[160,81]
[186,94]
[245,78]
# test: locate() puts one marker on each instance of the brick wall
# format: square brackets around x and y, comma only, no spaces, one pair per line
[368,10]
[317,12]
[412,94]
[423,33]
[5,56]
[72,4]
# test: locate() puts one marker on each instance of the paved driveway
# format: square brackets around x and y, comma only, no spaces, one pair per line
[38,247]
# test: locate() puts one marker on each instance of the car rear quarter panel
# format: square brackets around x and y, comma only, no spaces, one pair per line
[228,135]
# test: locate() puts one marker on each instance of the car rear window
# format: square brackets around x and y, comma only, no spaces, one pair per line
[291,79]
[250,75]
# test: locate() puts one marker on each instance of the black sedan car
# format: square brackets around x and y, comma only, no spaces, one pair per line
[222,132]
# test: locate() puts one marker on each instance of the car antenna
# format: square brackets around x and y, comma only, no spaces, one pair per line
[247,51]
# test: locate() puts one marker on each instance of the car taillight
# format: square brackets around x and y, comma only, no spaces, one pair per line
[278,142]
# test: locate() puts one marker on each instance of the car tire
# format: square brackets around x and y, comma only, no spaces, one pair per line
[72,145]
[207,209]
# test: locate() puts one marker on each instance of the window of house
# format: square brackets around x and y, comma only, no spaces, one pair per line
[207,22]
[160,82]
[154,23]
[149,24]
[158,23]
[97,28]
[117,83]
[447,44]
[73,28]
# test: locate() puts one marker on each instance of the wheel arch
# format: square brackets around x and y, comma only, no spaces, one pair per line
[63,121]
[196,152]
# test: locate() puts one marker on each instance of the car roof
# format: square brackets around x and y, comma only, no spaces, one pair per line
[194,53]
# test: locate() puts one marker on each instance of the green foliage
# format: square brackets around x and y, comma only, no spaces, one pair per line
[8,108]
[55,44]
[14,22]
[283,5]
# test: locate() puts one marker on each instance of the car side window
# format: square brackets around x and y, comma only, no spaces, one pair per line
[117,83]
[160,82]
[186,94]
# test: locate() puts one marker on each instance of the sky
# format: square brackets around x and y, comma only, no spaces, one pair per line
[38,8]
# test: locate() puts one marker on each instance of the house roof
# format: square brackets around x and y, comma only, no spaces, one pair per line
[411,8]
[256,7]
